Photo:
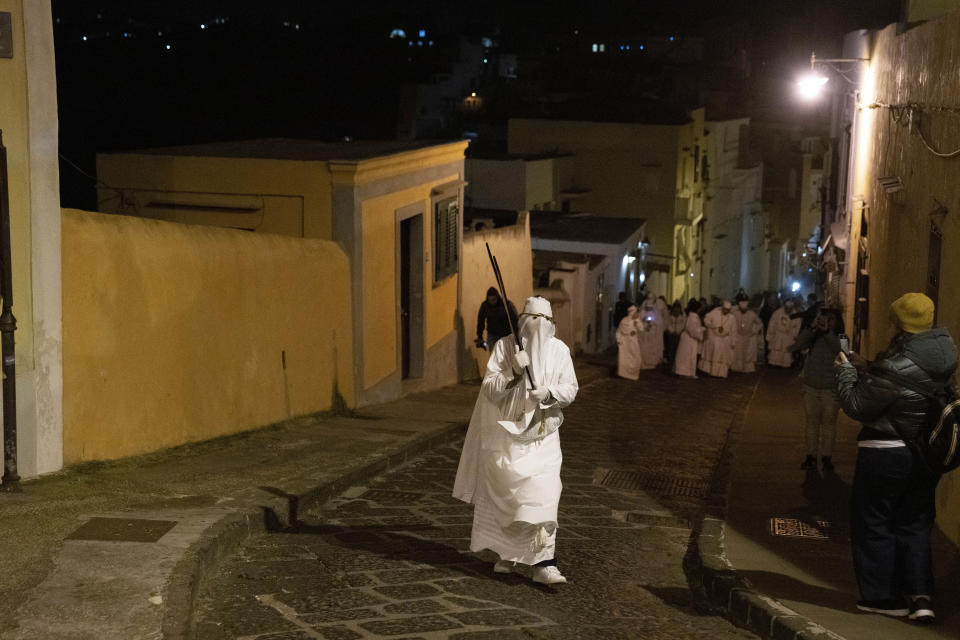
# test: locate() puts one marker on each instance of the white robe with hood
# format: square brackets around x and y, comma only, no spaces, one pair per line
[781,332]
[685,362]
[651,335]
[629,358]
[720,328]
[749,330]
[510,464]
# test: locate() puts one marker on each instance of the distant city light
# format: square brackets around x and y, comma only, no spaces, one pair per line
[671,38]
[419,43]
[126,35]
[430,44]
[484,61]
[628,47]
[810,85]
[595,47]
[297,27]
[487,42]
[203,26]
[410,43]
[473,94]
[159,34]
[641,47]
[168,47]
[423,33]
[795,287]
[84,38]
[603,48]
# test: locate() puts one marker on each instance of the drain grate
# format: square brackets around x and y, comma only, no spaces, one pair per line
[122,530]
[659,483]
[384,496]
[796,528]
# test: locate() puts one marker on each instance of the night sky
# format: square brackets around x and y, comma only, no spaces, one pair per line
[305,70]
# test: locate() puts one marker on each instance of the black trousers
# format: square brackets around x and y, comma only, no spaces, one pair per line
[891,517]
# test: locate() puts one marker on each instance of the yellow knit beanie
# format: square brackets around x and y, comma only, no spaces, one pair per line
[913,312]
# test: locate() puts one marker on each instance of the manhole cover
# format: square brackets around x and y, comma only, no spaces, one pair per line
[796,528]
[660,483]
[383,496]
[122,530]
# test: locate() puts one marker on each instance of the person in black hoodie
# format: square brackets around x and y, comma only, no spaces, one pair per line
[493,315]
[892,505]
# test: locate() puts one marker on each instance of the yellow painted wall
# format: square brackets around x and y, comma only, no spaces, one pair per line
[173,333]
[380,280]
[207,175]
[14,121]
[511,246]
[917,66]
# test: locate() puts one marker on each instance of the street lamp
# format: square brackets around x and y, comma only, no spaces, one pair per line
[810,84]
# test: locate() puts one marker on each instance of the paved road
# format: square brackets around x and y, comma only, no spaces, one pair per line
[387,560]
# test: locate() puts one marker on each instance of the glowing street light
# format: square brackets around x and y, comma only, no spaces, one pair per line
[810,85]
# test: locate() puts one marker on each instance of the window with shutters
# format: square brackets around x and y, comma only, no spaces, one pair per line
[446,238]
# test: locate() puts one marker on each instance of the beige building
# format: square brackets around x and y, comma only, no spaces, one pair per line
[902,193]
[394,207]
[521,183]
[648,170]
[28,119]
[736,250]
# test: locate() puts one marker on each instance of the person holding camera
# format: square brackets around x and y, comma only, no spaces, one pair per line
[892,506]
[493,316]
[821,340]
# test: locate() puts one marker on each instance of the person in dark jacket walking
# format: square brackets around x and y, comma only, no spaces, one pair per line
[822,342]
[892,506]
[493,315]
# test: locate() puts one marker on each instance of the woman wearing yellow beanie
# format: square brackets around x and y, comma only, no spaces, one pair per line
[893,508]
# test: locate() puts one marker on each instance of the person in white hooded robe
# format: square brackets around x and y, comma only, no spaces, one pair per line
[717,351]
[782,330]
[510,465]
[629,360]
[749,329]
[651,334]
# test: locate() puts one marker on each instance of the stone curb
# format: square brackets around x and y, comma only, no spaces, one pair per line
[717,581]
[733,595]
[223,538]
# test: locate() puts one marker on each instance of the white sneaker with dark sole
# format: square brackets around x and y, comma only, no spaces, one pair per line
[548,575]
[503,566]
[921,610]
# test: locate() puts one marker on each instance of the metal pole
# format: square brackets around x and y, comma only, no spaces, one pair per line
[8,324]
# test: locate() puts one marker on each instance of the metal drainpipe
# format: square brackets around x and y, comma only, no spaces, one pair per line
[8,324]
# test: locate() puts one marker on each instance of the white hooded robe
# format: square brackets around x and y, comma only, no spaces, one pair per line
[685,362]
[749,328]
[510,464]
[720,327]
[629,358]
[781,332]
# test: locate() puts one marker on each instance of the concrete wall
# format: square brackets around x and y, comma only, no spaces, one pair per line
[919,67]
[511,246]
[28,119]
[496,184]
[176,333]
[632,170]
[289,197]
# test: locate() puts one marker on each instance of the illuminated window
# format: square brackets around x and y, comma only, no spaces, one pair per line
[594,47]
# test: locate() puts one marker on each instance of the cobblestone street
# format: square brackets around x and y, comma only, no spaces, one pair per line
[388,559]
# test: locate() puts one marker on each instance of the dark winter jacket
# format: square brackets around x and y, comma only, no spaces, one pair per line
[494,316]
[818,369]
[888,411]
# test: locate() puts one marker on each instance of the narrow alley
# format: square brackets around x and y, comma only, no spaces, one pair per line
[386,559]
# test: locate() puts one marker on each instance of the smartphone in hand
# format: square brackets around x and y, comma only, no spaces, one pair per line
[844,343]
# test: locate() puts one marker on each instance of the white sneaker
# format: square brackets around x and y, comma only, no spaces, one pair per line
[548,575]
[503,566]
